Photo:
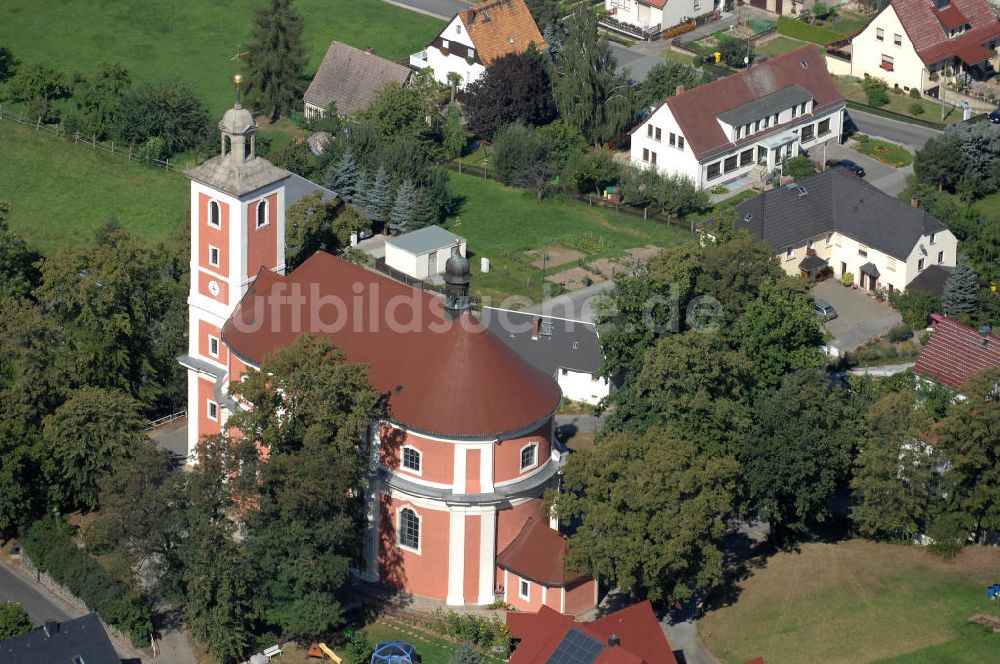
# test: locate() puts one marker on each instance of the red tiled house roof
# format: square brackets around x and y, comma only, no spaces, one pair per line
[538,553]
[453,378]
[696,110]
[927,27]
[955,352]
[640,638]
[501,27]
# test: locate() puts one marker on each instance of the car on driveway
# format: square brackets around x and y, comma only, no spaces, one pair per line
[824,309]
[995,116]
[852,166]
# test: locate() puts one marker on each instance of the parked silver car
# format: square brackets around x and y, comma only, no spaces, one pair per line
[824,309]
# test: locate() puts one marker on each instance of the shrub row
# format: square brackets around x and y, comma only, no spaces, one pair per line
[52,550]
[490,633]
[805,32]
[678,30]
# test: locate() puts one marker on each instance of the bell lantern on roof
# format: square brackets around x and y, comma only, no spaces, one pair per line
[457,277]
[237,128]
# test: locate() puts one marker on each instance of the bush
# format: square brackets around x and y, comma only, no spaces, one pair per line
[847,279]
[14,621]
[799,167]
[916,308]
[171,112]
[359,650]
[823,11]
[38,82]
[914,93]
[735,51]
[483,632]
[593,172]
[916,109]
[49,545]
[900,332]
[876,90]
[466,654]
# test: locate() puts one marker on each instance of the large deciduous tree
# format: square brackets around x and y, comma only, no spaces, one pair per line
[17,273]
[314,224]
[276,58]
[940,162]
[650,511]
[170,112]
[98,99]
[662,81]
[514,88]
[521,158]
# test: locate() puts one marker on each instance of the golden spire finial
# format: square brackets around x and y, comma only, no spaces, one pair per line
[237,82]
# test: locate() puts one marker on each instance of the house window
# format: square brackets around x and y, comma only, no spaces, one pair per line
[262,216]
[529,456]
[897,40]
[920,265]
[213,256]
[863,252]
[765,122]
[729,164]
[409,529]
[673,139]
[940,257]
[458,28]
[214,217]
[880,34]
[887,62]
[697,5]
[890,264]
[775,119]
[737,133]
[756,126]
[659,133]
[213,346]
[808,132]
[649,130]
[444,43]
[789,253]
[411,459]
[652,158]
[932,237]
[645,154]
[761,154]
[746,157]
[713,171]
[809,244]
[680,142]
[824,127]
[213,410]
[829,239]
[524,590]
[795,111]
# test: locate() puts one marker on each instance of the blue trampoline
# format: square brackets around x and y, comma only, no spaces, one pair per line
[394,652]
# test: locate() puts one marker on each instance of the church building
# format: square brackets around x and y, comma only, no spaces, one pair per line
[467,448]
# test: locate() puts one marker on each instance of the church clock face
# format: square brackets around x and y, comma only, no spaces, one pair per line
[214,288]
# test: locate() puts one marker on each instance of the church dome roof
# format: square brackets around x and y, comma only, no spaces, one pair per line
[457,269]
[237,120]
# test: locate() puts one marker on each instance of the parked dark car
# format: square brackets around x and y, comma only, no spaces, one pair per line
[852,166]
[995,116]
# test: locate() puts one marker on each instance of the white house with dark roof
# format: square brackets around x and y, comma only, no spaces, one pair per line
[836,219]
[911,42]
[750,121]
[350,79]
[653,14]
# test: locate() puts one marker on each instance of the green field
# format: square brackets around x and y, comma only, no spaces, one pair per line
[860,601]
[778,45]
[61,192]
[502,223]
[193,42]
[806,32]
[431,649]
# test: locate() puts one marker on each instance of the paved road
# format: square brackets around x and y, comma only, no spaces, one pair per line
[883,370]
[575,305]
[442,9]
[39,605]
[892,130]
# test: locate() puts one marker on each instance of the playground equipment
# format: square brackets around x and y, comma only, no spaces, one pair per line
[394,652]
[993,592]
[321,651]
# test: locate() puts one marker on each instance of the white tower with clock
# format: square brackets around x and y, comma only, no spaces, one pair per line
[237,229]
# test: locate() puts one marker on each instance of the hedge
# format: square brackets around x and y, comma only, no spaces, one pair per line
[51,549]
[806,32]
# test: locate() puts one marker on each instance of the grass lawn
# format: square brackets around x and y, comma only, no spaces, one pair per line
[502,223]
[988,205]
[61,192]
[194,41]
[847,23]
[887,153]
[678,57]
[779,45]
[860,601]
[807,32]
[901,103]
[432,649]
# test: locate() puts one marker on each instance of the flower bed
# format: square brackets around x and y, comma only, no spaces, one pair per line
[887,153]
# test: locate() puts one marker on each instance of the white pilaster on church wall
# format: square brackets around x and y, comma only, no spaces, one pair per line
[487,555]
[456,558]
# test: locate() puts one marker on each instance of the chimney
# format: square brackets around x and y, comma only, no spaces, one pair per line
[614,641]
[914,201]
[369,50]
[984,332]
[535,324]
[680,89]
[51,627]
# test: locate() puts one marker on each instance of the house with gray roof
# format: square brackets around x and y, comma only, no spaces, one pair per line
[835,219]
[422,253]
[568,350]
[79,640]
[350,79]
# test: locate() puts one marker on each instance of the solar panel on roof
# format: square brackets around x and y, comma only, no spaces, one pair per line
[576,648]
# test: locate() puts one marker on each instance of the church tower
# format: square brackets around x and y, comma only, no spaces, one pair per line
[237,229]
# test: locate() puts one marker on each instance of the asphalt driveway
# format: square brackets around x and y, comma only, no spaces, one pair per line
[859,317]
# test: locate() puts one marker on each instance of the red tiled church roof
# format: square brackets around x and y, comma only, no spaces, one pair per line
[696,110]
[538,553]
[927,27]
[955,352]
[453,378]
[641,639]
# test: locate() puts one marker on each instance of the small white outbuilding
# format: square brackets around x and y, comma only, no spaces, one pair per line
[421,254]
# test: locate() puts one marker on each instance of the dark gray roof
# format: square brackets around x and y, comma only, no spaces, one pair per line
[561,344]
[870,269]
[237,178]
[297,188]
[352,79]
[82,637]
[835,200]
[931,280]
[812,262]
[762,107]
[424,240]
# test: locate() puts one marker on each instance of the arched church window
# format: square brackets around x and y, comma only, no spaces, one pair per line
[262,213]
[227,145]
[409,529]
[214,216]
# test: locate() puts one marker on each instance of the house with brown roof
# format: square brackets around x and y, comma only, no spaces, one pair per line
[955,352]
[629,636]
[652,16]
[476,37]
[916,43]
[350,79]
[744,125]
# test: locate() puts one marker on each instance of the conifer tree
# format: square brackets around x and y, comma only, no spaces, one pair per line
[402,207]
[377,205]
[343,177]
[276,58]
[424,211]
[959,297]
[361,191]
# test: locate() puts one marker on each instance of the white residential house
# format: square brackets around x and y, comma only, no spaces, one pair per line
[917,43]
[656,15]
[742,125]
[835,219]
[476,37]
[422,254]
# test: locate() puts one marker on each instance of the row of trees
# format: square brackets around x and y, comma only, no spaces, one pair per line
[725,410]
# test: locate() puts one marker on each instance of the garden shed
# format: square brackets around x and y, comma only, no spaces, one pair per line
[421,254]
